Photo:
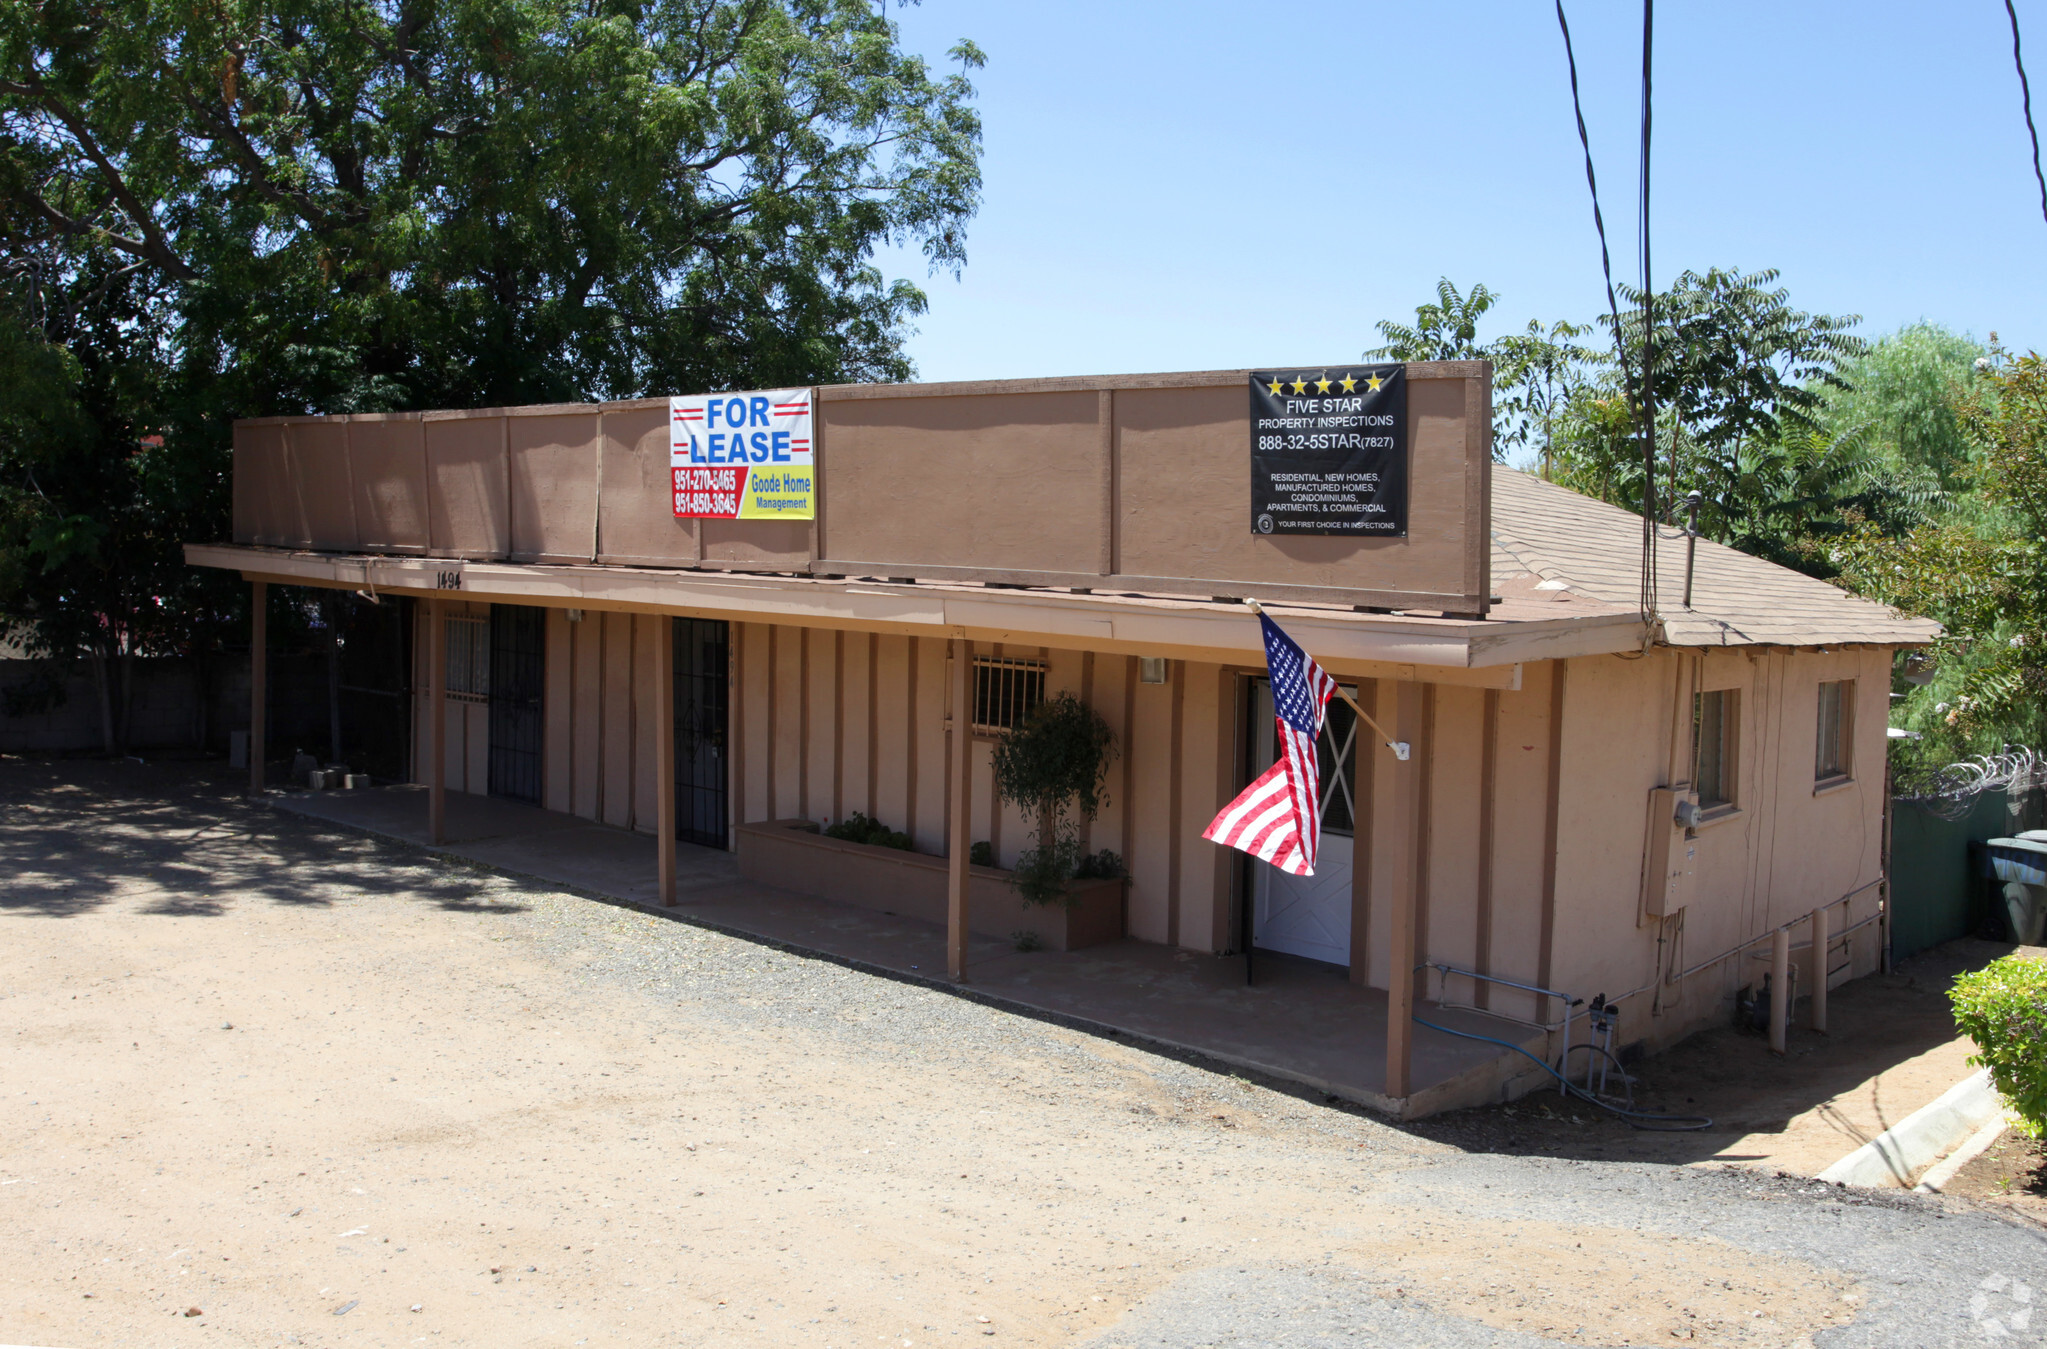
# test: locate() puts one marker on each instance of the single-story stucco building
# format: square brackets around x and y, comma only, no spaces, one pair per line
[1597,801]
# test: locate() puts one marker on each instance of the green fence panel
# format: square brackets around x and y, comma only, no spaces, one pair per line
[1933,896]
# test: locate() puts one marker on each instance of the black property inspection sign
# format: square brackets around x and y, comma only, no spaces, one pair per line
[1329,451]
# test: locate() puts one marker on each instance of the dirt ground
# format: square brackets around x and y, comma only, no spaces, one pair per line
[272,1082]
[2010,1174]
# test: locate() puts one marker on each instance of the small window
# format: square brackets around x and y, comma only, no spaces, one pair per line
[1713,730]
[1836,730]
[468,673]
[1006,691]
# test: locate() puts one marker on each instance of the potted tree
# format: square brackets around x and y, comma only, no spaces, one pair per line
[1055,766]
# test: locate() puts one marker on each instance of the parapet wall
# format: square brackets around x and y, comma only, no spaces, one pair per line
[1124,483]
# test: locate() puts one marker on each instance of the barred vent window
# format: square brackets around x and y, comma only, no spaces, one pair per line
[468,676]
[1006,691]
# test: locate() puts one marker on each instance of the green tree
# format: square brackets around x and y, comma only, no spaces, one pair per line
[1740,380]
[1737,367]
[1538,374]
[1904,391]
[1444,331]
[1981,572]
[1535,373]
[92,510]
[336,206]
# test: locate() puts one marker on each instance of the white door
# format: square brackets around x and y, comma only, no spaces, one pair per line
[1310,915]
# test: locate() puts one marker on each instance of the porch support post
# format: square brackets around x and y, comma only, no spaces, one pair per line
[1780,987]
[259,679]
[959,840]
[1822,935]
[436,723]
[664,755]
[1400,814]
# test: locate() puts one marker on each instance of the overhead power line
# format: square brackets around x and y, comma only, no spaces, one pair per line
[1648,343]
[1640,389]
[2026,98]
[1592,181]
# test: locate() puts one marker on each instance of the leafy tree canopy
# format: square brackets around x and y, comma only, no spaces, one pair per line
[1982,573]
[1535,373]
[454,202]
[1902,392]
[240,209]
[1740,380]
[1910,470]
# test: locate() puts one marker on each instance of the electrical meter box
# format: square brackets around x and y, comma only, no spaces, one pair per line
[1673,852]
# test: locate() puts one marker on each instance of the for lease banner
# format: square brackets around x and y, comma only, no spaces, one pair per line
[1329,451]
[742,456]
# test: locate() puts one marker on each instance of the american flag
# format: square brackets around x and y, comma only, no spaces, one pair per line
[1278,819]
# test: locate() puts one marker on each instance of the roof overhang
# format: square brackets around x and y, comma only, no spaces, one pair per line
[1485,652]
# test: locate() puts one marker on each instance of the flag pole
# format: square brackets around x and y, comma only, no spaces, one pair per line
[1399,747]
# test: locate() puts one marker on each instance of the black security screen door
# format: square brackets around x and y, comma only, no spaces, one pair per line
[518,668]
[375,688]
[701,647]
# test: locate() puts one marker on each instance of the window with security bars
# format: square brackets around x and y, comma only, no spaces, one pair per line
[468,672]
[1837,713]
[702,664]
[1006,691]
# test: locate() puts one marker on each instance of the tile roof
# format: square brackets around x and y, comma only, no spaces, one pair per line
[1548,540]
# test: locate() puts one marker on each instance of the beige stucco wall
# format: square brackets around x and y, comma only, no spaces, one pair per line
[597,754]
[828,722]
[1786,847]
[467,745]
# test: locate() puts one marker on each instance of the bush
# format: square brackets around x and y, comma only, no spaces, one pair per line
[862,828]
[1055,766]
[1105,865]
[2003,1008]
[982,854]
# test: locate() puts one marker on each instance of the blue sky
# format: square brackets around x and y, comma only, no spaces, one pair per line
[1874,153]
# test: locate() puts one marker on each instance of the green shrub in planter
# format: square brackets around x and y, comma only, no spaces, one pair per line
[2003,1008]
[1106,865]
[863,828]
[1056,767]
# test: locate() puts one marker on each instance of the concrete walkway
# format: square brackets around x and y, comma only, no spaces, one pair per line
[1301,1022]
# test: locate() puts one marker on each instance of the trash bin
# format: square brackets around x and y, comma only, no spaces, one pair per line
[2021,863]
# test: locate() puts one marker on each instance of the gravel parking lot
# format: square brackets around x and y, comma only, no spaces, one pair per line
[275,1082]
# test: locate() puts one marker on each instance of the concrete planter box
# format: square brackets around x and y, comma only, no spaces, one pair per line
[794,855]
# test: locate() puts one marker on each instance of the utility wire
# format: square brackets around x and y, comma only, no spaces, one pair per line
[1639,389]
[2026,97]
[1648,339]
[1592,181]
[1651,1121]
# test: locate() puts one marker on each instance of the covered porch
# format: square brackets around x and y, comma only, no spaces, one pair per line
[1300,1022]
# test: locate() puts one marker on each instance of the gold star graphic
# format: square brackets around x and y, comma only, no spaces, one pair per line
[1278,386]
[1350,384]
[1322,384]
[1373,382]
